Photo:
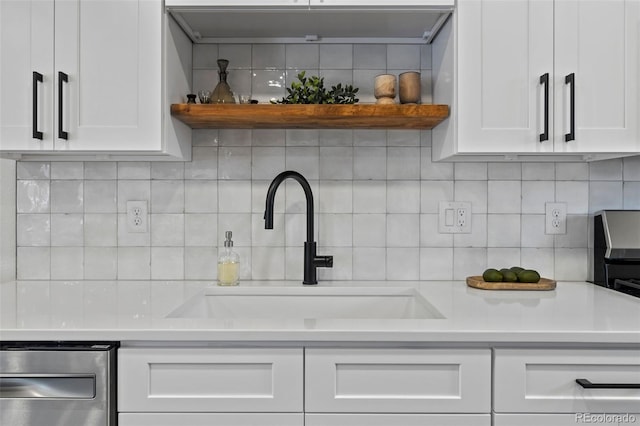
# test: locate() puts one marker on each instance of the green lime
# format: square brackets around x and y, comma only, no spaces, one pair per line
[492,275]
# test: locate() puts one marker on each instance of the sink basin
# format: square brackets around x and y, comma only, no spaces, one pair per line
[307,303]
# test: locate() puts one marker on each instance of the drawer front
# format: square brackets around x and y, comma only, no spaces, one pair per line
[544,381]
[209,419]
[397,381]
[398,420]
[210,380]
[565,419]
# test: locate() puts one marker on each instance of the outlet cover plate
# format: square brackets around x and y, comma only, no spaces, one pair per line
[555,218]
[137,217]
[454,217]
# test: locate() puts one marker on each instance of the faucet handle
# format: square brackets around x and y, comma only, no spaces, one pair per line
[323,261]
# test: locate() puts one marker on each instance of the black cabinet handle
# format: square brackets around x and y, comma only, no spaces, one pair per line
[544,79]
[37,77]
[571,79]
[62,78]
[588,385]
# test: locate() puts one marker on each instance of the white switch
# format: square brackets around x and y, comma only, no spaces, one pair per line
[454,217]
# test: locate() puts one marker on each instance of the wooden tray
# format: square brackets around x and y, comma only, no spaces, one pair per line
[478,282]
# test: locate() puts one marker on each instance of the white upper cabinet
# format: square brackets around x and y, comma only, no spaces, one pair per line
[102,89]
[516,66]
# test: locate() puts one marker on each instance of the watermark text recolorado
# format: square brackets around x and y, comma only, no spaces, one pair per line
[603,418]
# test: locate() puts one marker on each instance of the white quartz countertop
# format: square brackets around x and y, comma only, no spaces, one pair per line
[135,311]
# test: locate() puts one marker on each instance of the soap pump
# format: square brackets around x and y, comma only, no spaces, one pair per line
[228,263]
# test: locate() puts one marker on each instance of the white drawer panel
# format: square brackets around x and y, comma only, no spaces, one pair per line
[398,419]
[544,381]
[209,419]
[575,419]
[212,380]
[397,380]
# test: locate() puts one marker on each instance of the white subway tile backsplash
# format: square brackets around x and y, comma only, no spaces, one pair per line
[534,196]
[200,196]
[376,195]
[403,264]
[101,230]
[403,163]
[436,263]
[403,230]
[267,162]
[369,230]
[201,263]
[33,170]
[336,56]
[631,194]
[67,230]
[303,57]
[504,196]
[33,230]
[100,196]
[604,195]
[370,163]
[100,263]
[606,170]
[67,263]
[167,263]
[403,196]
[167,230]
[33,196]
[201,229]
[67,170]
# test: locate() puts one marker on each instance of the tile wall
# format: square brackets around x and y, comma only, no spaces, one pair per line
[376,193]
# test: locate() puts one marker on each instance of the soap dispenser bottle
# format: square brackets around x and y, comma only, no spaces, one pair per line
[228,263]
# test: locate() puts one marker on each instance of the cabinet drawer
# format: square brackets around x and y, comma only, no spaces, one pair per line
[397,419]
[210,379]
[209,419]
[397,380]
[544,381]
[564,419]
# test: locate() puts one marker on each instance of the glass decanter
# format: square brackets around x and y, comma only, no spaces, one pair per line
[222,94]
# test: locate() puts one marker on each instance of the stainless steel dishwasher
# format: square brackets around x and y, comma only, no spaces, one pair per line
[57,383]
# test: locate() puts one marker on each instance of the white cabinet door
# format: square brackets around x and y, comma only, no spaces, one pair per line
[504,48]
[544,381]
[111,52]
[397,420]
[26,48]
[565,419]
[397,380]
[208,419]
[597,42]
[374,3]
[238,3]
[210,380]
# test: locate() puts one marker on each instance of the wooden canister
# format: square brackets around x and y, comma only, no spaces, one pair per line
[410,91]
[384,88]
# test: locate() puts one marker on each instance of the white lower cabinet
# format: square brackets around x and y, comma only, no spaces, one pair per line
[262,386]
[614,419]
[397,420]
[210,419]
[397,380]
[540,386]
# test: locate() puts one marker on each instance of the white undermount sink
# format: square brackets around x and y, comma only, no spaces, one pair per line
[307,303]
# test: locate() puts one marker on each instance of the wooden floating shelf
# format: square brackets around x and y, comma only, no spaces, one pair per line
[297,116]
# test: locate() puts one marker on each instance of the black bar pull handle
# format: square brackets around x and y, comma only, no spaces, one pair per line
[588,385]
[544,79]
[571,80]
[62,78]
[37,77]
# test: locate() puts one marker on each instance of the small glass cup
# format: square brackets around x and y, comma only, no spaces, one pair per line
[205,96]
[244,99]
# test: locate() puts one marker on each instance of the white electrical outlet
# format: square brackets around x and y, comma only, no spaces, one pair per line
[556,218]
[137,218]
[454,217]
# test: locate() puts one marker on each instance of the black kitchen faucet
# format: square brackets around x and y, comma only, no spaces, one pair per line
[311,259]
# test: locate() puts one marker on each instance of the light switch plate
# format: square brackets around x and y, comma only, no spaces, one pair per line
[454,217]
